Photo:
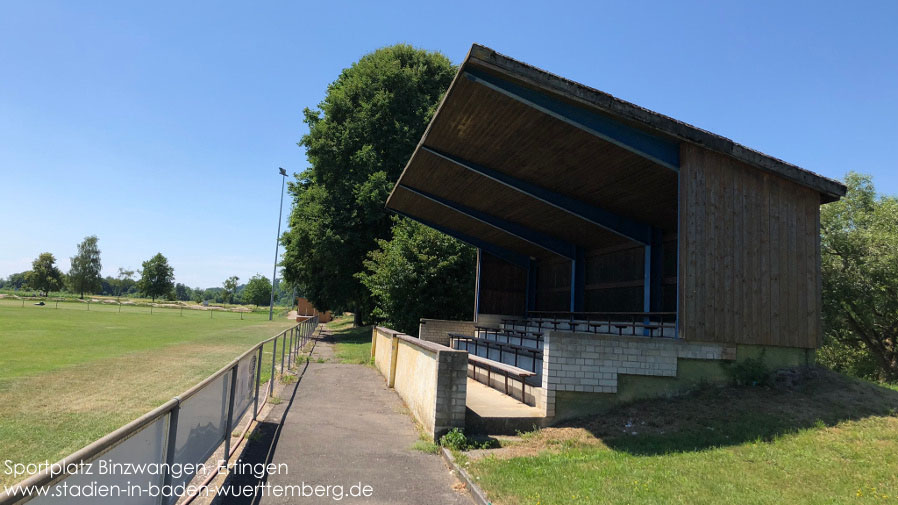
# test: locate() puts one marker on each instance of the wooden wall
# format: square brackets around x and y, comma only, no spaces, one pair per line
[749,254]
[503,287]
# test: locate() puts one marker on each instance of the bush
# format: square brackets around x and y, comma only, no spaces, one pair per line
[751,372]
[455,440]
[855,360]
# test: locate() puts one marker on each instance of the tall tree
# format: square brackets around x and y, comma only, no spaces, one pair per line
[157,277]
[15,281]
[359,139]
[182,292]
[85,272]
[124,279]
[44,275]
[257,290]
[230,288]
[859,249]
[420,272]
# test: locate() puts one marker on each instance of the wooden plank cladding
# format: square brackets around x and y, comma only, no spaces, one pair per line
[749,260]
[503,287]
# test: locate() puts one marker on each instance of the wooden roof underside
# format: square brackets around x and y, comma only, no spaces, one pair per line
[487,128]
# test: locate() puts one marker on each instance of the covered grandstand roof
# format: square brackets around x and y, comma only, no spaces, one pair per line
[520,159]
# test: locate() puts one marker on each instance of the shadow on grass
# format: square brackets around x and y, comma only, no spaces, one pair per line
[352,345]
[726,416]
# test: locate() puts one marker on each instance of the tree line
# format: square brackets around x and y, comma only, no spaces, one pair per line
[347,253]
[155,279]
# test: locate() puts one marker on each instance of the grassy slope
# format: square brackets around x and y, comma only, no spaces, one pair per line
[827,440]
[353,345]
[68,377]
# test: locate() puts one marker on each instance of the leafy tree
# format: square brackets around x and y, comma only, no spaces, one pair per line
[157,277]
[125,280]
[15,281]
[420,272]
[197,294]
[182,292]
[359,139]
[257,290]
[44,275]
[85,272]
[859,249]
[230,288]
[213,294]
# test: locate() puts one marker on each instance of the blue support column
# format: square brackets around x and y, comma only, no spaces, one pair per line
[578,280]
[654,265]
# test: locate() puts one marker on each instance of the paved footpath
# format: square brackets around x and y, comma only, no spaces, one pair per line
[343,427]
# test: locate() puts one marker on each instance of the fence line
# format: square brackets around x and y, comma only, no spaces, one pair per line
[186,430]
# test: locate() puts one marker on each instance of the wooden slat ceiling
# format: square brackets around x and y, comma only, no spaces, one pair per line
[490,129]
[412,204]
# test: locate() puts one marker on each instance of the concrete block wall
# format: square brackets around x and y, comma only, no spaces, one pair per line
[588,362]
[430,378]
[437,330]
[451,391]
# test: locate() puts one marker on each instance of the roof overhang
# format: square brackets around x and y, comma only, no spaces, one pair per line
[534,164]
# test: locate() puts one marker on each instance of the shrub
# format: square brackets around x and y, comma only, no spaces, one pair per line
[751,372]
[455,440]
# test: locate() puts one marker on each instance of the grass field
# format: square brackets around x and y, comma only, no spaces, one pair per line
[352,345]
[68,377]
[831,440]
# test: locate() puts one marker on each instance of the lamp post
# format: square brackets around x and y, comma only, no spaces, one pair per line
[277,243]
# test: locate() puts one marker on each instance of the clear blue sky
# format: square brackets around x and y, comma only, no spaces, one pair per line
[159,126]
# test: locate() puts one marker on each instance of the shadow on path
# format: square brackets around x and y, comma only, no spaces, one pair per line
[260,447]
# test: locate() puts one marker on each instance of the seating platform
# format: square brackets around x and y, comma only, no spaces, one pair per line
[491,412]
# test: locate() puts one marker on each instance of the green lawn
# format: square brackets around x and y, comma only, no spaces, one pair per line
[352,345]
[69,376]
[832,440]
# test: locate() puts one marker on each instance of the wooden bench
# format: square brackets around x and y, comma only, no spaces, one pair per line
[503,368]
[495,344]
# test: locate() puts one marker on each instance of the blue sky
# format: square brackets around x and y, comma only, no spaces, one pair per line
[159,126]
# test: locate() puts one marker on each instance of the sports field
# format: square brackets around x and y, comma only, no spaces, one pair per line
[69,376]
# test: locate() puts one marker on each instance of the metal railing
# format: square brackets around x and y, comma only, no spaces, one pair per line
[186,430]
[650,324]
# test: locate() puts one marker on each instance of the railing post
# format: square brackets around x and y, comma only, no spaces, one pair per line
[258,379]
[170,447]
[274,355]
[290,354]
[230,421]
[283,349]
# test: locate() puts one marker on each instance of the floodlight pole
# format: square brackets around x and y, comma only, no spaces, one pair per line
[277,243]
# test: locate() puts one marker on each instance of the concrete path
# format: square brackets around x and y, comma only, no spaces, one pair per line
[344,427]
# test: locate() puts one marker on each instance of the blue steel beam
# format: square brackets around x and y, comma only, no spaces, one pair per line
[512,257]
[524,233]
[625,227]
[663,151]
